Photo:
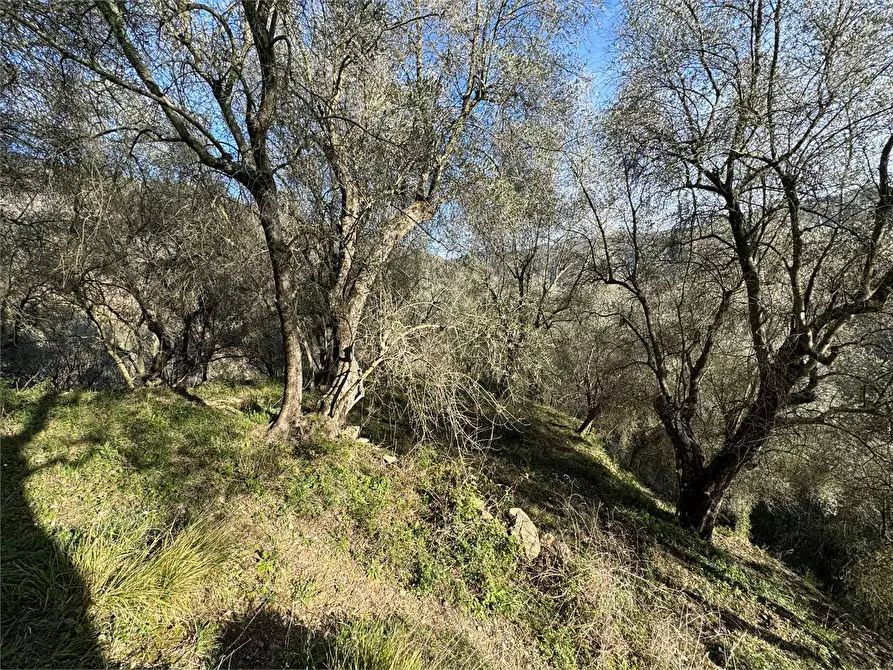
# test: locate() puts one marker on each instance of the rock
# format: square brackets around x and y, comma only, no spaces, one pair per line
[390,459]
[526,532]
[555,548]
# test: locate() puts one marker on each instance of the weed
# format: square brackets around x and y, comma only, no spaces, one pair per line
[304,591]
[266,564]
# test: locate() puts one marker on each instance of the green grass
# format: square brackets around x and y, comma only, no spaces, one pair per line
[143,529]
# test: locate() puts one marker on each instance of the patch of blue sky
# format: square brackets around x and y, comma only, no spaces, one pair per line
[597,51]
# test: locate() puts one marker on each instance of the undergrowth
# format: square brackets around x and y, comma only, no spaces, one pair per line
[141,529]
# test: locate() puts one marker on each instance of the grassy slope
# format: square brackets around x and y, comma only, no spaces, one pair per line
[144,529]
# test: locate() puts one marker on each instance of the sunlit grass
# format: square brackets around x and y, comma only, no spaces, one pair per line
[134,557]
[144,574]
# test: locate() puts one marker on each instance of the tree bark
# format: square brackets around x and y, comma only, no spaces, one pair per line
[591,415]
[702,487]
[164,355]
[698,504]
[344,390]
[289,418]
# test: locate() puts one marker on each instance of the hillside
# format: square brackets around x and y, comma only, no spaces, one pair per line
[145,529]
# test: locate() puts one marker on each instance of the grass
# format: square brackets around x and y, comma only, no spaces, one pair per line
[146,574]
[143,529]
[271,639]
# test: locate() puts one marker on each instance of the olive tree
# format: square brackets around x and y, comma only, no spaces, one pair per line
[749,227]
[384,96]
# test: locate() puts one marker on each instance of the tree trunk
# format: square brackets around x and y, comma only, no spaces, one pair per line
[591,416]
[155,376]
[699,501]
[327,360]
[107,343]
[702,487]
[347,302]
[289,418]
[345,389]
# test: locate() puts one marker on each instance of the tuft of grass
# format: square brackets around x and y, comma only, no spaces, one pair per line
[375,645]
[269,638]
[391,644]
[139,584]
[143,575]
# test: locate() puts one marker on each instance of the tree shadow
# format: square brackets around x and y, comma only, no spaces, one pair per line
[45,617]
[183,455]
[268,639]
[545,463]
[733,621]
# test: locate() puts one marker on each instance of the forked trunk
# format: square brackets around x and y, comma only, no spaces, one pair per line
[345,389]
[347,303]
[701,491]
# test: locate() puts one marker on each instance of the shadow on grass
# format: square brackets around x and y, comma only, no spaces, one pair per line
[166,450]
[545,462]
[268,639]
[45,619]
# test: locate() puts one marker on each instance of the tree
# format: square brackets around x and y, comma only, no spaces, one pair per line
[760,120]
[382,96]
[219,96]
[399,100]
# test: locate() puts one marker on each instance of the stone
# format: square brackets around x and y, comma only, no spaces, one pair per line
[526,532]
[390,459]
[555,549]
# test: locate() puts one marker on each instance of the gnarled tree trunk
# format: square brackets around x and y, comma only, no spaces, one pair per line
[348,302]
[702,486]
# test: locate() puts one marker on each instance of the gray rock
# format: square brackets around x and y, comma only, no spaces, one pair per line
[526,532]
[390,458]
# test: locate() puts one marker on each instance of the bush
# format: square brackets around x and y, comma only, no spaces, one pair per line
[869,581]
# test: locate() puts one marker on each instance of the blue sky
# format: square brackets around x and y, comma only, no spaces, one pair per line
[596,49]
